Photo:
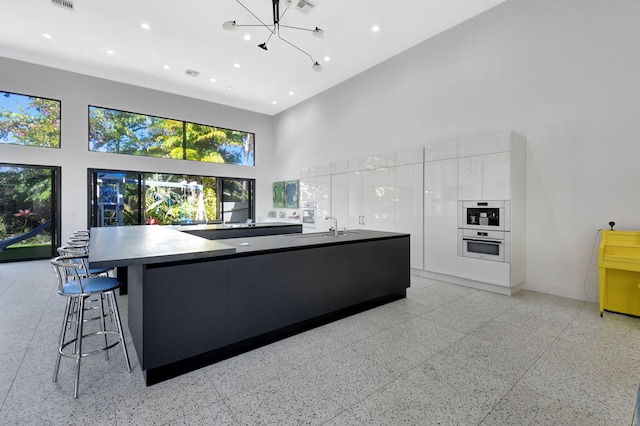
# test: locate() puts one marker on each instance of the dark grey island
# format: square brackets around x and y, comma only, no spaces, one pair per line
[195,301]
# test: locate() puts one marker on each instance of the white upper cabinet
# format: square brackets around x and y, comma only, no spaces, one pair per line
[442,150]
[470,178]
[496,176]
[486,144]
[484,167]
[410,156]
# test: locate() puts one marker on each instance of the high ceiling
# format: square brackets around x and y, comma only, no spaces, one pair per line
[188,34]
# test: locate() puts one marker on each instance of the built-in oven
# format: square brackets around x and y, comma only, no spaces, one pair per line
[308,214]
[487,245]
[485,215]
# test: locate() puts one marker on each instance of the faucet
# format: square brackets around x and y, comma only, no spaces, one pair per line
[334,224]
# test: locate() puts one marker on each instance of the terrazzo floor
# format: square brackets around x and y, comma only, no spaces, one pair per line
[445,355]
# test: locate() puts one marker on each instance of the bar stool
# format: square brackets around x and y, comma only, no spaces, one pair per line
[77,287]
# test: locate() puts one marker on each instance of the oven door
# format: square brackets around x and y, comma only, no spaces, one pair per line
[308,217]
[484,245]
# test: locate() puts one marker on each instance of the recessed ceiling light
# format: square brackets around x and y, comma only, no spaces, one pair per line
[274,102]
[213,80]
[291,93]
[49,36]
[145,26]
[327,58]
[247,37]
[166,67]
[110,52]
[229,88]
[375,28]
[236,65]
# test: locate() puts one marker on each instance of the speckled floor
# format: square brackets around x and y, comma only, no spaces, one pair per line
[446,355]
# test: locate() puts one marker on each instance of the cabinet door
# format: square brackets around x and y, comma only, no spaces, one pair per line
[339,200]
[496,176]
[441,216]
[354,201]
[410,207]
[379,199]
[323,202]
[470,178]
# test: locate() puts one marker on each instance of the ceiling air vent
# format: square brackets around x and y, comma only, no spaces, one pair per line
[304,5]
[65,4]
[192,73]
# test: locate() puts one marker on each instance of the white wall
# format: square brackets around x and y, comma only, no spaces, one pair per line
[563,73]
[77,91]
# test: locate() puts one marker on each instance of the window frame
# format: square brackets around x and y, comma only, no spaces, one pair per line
[185,124]
[59,101]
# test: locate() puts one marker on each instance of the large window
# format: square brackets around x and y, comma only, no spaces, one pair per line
[28,212]
[124,132]
[120,198]
[28,120]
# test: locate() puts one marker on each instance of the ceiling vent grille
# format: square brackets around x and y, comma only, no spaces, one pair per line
[304,6]
[192,73]
[65,4]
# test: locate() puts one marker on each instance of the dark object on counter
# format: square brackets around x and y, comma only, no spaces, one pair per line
[612,224]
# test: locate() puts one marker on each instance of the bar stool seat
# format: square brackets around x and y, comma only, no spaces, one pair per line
[91,285]
[78,287]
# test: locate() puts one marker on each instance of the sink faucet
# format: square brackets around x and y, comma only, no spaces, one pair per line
[334,224]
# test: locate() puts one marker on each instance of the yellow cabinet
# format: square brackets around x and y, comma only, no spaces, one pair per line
[619,271]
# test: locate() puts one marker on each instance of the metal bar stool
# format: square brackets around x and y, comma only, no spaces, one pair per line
[77,286]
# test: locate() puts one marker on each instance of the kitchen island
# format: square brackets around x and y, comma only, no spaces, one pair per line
[194,301]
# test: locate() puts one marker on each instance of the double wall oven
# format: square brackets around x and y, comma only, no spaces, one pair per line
[483,230]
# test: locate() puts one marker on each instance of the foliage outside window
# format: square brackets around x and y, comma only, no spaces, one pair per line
[124,132]
[28,208]
[29,120]
[131,198]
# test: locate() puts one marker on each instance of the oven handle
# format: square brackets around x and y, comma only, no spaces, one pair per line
[482,241]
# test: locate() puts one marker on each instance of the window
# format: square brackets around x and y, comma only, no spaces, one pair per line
[28,212]
[120,198]
[28,120]
[123,132]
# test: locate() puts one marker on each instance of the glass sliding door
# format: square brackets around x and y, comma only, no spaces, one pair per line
[29,212]
[237,200]
[115,198]
[120,198]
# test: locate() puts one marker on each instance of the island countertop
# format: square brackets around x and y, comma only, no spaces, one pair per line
[117,246]
[144,244]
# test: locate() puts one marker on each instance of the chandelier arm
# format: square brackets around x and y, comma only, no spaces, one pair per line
[253,14]
[270,35]
[297,28]
[293,45]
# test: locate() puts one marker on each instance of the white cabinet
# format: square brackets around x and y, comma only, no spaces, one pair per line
[484,167]
[485,177]
[496,176]
[340,198]
[441,216]
[379,199]
[409,208]
[371,199]
[365,199]
[315,191]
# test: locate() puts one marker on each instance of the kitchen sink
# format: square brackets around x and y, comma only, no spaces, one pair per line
[322,234]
